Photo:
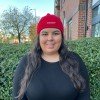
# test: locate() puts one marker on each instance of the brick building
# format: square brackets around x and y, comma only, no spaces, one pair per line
[76,16]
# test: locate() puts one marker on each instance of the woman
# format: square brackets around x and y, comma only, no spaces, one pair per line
[50,71]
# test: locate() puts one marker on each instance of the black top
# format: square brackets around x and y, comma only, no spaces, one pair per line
[50,83]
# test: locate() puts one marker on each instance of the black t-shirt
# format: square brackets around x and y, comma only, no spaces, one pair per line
[49,82]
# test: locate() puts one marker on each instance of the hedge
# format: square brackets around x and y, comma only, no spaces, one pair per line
[9,58]
[87,48]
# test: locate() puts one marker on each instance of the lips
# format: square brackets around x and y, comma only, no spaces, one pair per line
[49,46]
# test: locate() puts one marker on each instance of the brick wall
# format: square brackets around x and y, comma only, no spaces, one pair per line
[85,18]
[89,19]
[75,26]
[80,13]
[82,19]
[71,10]
[69,7]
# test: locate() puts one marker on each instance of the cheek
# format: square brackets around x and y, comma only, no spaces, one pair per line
[41,39]
[42,42]
[58,41]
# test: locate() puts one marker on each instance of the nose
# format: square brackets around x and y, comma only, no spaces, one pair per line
[50,37]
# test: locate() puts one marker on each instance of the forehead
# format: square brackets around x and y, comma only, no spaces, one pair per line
[50,30]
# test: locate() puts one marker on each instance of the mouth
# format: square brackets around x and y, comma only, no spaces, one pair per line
[50,46]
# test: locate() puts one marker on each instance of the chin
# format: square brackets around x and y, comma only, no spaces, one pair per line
[51,51]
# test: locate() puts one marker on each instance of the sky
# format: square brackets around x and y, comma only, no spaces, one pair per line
[42,6]
[94,1]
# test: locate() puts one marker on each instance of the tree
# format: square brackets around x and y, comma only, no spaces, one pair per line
[32,32]
[14,21]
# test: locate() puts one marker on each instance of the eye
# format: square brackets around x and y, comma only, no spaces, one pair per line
[44,33]
[56,33]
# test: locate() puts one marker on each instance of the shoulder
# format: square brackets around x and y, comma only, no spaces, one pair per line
[82,66]
[75,56]
[19,73]
[23,60]
[20,68]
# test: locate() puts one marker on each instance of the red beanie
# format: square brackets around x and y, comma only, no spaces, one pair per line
[49,21]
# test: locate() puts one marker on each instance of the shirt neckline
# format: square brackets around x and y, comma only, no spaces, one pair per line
[48,61]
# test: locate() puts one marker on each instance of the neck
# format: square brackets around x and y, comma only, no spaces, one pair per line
[51,57]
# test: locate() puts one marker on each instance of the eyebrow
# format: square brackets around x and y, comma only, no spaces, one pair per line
[44,31]
[56,31]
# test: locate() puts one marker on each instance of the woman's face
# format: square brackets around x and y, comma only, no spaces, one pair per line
[50,40]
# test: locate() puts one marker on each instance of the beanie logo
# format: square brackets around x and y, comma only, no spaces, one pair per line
[51,22]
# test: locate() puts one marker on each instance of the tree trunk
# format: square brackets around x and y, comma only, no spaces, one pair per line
[19,37]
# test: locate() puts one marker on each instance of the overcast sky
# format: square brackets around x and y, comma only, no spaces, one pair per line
[94,1]
[42,6]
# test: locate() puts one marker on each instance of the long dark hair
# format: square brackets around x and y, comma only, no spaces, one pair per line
[69,65]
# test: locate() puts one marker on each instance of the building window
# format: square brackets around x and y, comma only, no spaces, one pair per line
[96,11]
[69,29]
[94,1]
[96,30]
[99,10]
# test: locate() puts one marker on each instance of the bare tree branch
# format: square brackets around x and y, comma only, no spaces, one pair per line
[15,21]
